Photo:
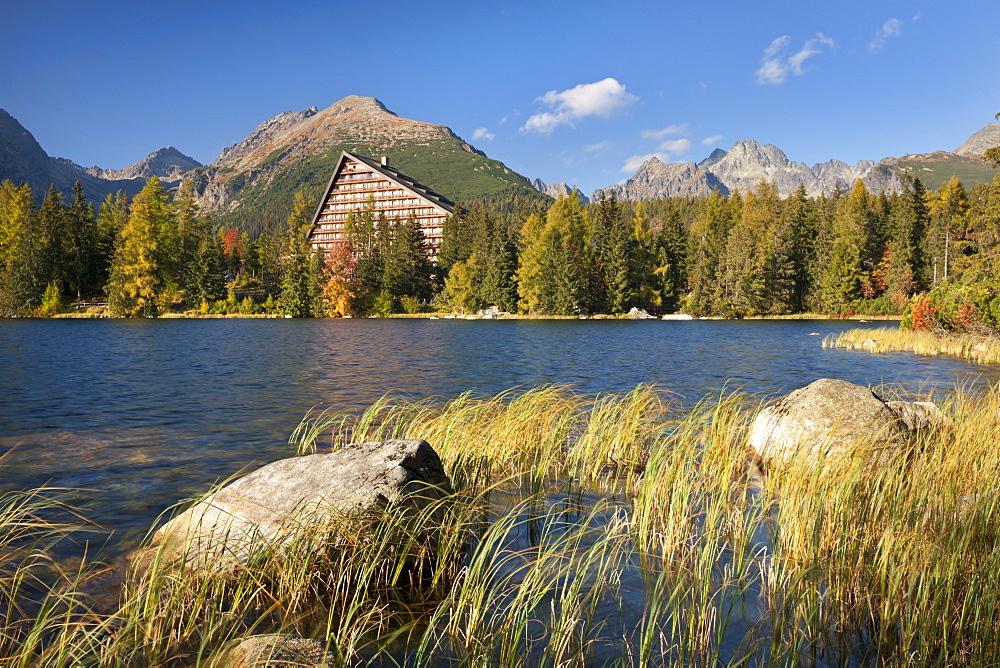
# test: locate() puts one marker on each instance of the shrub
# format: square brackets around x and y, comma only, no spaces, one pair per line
[51,300]
[959,309]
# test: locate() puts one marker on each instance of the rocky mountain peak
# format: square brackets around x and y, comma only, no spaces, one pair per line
[167,163]
[557,190]
[715,156]
[294,135]
[743,166]
[977,144]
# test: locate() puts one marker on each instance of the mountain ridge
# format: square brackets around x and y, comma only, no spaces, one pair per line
[747,162]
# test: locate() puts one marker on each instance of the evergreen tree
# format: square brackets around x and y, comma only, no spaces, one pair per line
[554,276]
[709,236]
[799,225]
[205,274]
[21,277]
[406,269]
[669,258]
[81,244]
[111,220]
[906,271]
[949,209]
[531,275]
[614,255]
[301,267]
[51,228]
[193,229]
[456,240]
[496,259]
[845,272]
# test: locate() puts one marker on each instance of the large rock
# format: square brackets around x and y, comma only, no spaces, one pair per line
[275,503]
[831,419]
[275,651]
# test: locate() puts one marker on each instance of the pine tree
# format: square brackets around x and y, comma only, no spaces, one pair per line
[456,240]
[669,262]
[531,274]
[80,239]
[554,275]
[496,259]
[905,270]
[709,236]
[21,276]
[406,269]
[52,237]
[949,209]
[300,267]
[615,250]
[845,272]
[800,227]
[111,219]
[205,274]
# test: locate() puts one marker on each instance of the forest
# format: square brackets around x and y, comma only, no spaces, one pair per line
[929,254]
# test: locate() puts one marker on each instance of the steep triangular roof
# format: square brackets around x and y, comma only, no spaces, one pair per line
[389,173]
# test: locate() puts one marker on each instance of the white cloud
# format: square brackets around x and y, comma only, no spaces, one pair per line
[601,98]
[676,146]
[599,146]
[660,134]
[891,28]
[482,133]
[635,162]
[708,141]
[776,65]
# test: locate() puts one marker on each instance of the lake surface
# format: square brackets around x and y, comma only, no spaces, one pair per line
[139,414]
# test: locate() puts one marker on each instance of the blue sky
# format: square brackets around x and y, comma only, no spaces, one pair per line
[564,91]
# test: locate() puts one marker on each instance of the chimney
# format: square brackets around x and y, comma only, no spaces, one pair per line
[385,161]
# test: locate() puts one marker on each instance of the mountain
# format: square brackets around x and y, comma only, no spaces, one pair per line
[22,160]
[557,190]
[747,162]
[167,163]
[256,179]
[655,179]
[977,144]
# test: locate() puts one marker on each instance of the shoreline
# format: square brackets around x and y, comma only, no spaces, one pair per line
[455,316]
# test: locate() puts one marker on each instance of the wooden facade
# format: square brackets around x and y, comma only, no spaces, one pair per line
[358,183]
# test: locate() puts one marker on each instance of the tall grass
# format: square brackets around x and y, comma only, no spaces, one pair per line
[596,531]
[979,349]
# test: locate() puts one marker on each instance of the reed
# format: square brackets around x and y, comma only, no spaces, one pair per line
[689,558]
[979,349]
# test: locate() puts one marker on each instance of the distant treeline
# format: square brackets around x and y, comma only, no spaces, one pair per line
[738,255]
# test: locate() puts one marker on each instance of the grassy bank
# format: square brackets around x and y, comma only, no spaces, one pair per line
[581,531]
[979,349]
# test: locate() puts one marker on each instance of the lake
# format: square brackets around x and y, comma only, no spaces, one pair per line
[139,414]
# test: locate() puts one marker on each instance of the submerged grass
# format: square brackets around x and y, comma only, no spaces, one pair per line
[601,531]
[979,349]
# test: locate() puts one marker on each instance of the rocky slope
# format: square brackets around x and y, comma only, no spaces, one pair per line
[743,166]
[256,178]
[22,160]
[167,163]
[557,190]
[977,144]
